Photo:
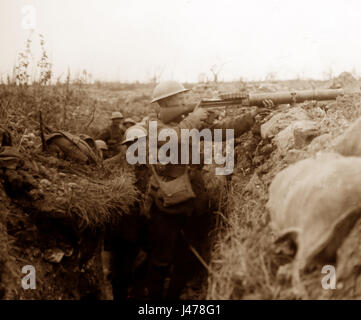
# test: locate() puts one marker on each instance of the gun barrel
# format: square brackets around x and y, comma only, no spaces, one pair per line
[256,99]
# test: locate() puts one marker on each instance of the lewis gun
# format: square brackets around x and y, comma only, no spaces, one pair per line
[245,99]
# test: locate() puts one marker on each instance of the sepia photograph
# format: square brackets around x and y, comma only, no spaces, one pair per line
[180,151]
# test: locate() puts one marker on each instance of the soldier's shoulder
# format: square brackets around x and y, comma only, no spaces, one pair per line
[152,118]
[104,133]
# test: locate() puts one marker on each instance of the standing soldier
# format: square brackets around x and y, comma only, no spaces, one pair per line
[113,135]
[182,216]
[125,238]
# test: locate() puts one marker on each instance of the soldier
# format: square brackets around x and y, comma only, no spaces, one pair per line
[168,221]
[125,238]
[141,170]
[128,122]
[113,135]
[101,148]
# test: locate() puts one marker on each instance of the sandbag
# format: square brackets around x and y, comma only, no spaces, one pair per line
[349,143]
[286,138]
[316,200]
[90,141]
[281,121]
[72,147]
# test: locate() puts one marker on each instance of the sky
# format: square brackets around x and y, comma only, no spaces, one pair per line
[129,40]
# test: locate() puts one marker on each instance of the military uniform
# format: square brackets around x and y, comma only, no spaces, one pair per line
[166,223]
[178,198]
[113,136]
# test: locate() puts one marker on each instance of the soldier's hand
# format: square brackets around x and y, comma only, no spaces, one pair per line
[200,114]
[257,111]
[268,103]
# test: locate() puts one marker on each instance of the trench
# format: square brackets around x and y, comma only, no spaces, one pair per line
[75,261]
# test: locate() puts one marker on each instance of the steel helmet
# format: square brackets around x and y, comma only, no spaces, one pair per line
[88,139]
[129,120]
[116,115]
[101,145]
[134,132]
[166,89]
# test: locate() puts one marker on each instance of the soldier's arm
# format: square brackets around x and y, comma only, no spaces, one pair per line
[239,124]
[194,120]
[122,132]
[104,135]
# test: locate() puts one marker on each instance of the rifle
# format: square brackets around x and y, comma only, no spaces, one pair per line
[43,143]
[245,99]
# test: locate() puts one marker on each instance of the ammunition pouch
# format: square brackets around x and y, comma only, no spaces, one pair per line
[172,193]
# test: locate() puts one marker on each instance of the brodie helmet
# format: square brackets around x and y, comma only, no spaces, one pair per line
[116,115]
[129,120]
[135,132]
[101,145]
[166,89]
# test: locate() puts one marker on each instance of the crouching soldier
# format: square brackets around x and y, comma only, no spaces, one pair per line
[180,201]
[113,135]
[101,148]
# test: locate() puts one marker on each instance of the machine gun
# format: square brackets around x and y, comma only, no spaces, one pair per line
[254,99]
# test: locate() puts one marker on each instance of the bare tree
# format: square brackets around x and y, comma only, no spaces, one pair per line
[157,74]
[328,74]
[202,78]
[216,69]
[271,76]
